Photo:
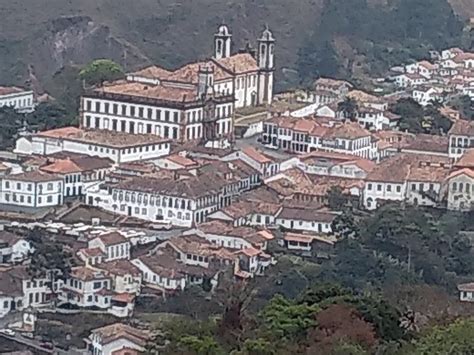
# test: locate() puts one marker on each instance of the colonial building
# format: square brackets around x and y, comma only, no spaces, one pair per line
[178,200]
[19,99]
[411,178]
[461,137]
[33,189]
[86,287]
[303,135]
[460,183]
[79,172]
[120,147]
[13,248]
[117,338]
[194,102]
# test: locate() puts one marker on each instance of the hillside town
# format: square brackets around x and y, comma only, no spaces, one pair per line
[204,174]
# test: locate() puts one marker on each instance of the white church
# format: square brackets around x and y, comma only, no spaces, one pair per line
[193,103]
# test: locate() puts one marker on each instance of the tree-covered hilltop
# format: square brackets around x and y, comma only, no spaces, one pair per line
[358,36]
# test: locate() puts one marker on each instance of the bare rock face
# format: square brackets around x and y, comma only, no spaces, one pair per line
[78,40]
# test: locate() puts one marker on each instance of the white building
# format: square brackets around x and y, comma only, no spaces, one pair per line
[19,99]
[87,287]
[195,102]
[113,244]
[298,135]
[426,95]
[461,138]
[13,248]
[117,338]
[33,189]
[409,80]
[180,201]
[119,147]
[306,219]
[19,291]
[411,178]
[79,173]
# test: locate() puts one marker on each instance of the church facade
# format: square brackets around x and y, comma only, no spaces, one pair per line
[193,103]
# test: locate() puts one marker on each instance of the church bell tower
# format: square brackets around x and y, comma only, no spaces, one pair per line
[222,42]
[266,64]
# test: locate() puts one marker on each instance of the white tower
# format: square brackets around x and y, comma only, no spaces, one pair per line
[222,42]
[205,82]
[266,63]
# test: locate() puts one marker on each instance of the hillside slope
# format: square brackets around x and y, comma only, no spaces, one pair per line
[40,37]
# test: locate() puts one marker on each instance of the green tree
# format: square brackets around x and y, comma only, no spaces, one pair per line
[287,320]
[101,70]
[200,346]
[258,346]
[49,259]
[337,200]
[411,114]
[345,227]
[10,123]
[49,115]
[349,108]
[454,339]
[465,105]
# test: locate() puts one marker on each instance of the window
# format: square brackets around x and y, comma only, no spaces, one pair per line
[379,187]
[369,187]
[97,106]
[140,112]
[399,189]
[132,111]
[167,116]
[7,184]
[49,199]
[97,285]
[50,186]
[175,117]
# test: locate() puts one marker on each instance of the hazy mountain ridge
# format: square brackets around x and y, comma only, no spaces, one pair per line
[51,34]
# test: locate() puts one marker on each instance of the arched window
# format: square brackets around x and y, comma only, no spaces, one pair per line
[455,186]
[461,187]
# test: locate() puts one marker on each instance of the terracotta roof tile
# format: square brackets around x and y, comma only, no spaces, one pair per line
[34,176]
[239,63]
[256,155]
[103,137]
[7,90]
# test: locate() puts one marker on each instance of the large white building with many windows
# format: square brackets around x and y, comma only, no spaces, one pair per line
[193,103]
[120,147]
[16,98]
[304,135]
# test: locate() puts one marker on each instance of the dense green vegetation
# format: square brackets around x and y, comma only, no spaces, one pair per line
[418,119]
[367,299]
[48,115]
[375,36]
[101,70]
